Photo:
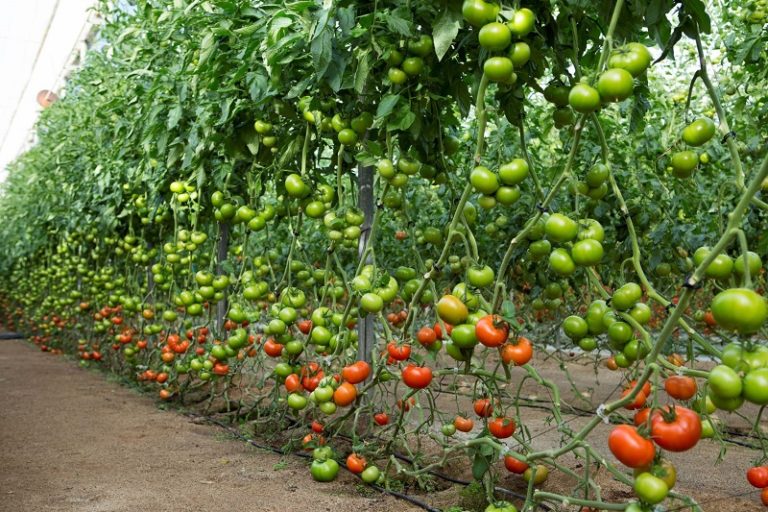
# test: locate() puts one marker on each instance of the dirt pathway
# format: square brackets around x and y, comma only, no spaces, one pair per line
[72,442]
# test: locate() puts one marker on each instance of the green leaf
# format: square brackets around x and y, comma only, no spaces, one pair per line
[698,12]
[321,50]
[386,105]
[362,71]
[174,115]
[445,30]
[399,25]
[480,466]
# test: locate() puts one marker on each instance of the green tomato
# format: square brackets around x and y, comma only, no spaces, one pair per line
[370,475]
[615,84]
[755,386]
[720,268]
[448,429]
[296,401]
[587,252]
[514,172]
[754,264]
[560,228]
[539,249]
[499,69]
[626,296]
[650,488]
[495,36]
[522,22]
[463,336]
[413,66]
[724,382]
[641,312]
[684,163]
[478,12]
[422,46]
[594,317]
[507,196]
[520,54]
[484,180]
[575,327]
[324,471]
[740,309]
[584,98]
[561,263]
[634,57]
[397,76]
[480,276]
[597,175]
[557,93]
[371,303]
[699,132]
[295,186]
[619,334]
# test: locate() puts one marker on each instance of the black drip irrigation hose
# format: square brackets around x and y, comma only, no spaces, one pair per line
[10,336]
[240,436]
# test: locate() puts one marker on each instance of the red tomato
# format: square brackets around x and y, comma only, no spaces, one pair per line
[502,427]
[292,383]
[758,476]
[398,352]
[642,415]
[345,394]
[417,377]
[356,372]
[463,424]
[317,427]
[637,403]
[381,418]
[439,330]
[676,429]
[519,353]
[632,449]
[426,336]
[491,330]
[680,387]
[483,407]
[355,463]
[515,466]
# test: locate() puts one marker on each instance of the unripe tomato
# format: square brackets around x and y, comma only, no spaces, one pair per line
[584,98]
[520,54]
[478,12]
[514,172]
[684,163]
[587,252]
[699,132]
[499,69]
[739,309]
[560,228]
[615,84]
[650,488]
[634,57]
[495,36]
[452,310]
[561,263]
[522,22]
[484,180]
[413,66]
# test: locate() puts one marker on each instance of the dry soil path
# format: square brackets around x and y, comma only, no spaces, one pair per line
[70,441]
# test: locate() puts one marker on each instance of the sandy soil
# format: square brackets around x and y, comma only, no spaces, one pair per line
[71,441]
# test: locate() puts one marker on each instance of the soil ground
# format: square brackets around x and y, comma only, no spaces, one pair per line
[72,440]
